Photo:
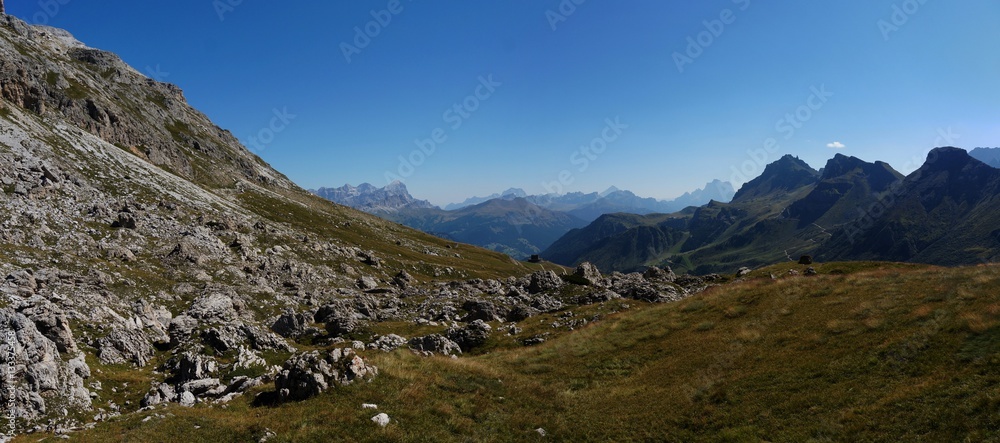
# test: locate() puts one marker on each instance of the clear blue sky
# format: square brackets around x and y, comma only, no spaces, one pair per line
[896,86]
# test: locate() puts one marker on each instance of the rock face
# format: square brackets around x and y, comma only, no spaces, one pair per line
[42,379]
[310,374]
[290,325]
[124,346]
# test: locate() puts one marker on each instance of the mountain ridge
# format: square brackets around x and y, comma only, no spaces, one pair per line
[855,210]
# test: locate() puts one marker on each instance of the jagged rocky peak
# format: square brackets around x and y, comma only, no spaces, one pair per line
[785,174]
[878,174]
[514,192]
[948,158]
[368,198]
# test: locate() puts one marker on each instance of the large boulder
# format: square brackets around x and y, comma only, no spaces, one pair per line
[471,336]
[291,324]
[590,274]
[310,374]
[125,346]
[367,283]
[639,287]
[52,323]
[543,281]
[191,366]
[483,310]
[217,307]
[436,344]
[387,343]
[659,274]
[546,303]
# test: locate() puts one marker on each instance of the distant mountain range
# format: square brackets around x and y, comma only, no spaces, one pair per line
[590,206]
[515,227]
[509,194]
[990,156]
[947,212]
[368,198]
[512,222]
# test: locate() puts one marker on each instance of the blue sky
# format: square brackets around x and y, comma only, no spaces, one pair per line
[658,97]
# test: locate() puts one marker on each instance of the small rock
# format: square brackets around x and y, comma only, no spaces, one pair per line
[381,419]
[187,399]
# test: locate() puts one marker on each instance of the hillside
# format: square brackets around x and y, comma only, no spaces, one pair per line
[752,230]
[946,212]
[859,352]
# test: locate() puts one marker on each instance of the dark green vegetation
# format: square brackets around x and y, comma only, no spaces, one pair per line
[944,213]
[860,352]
